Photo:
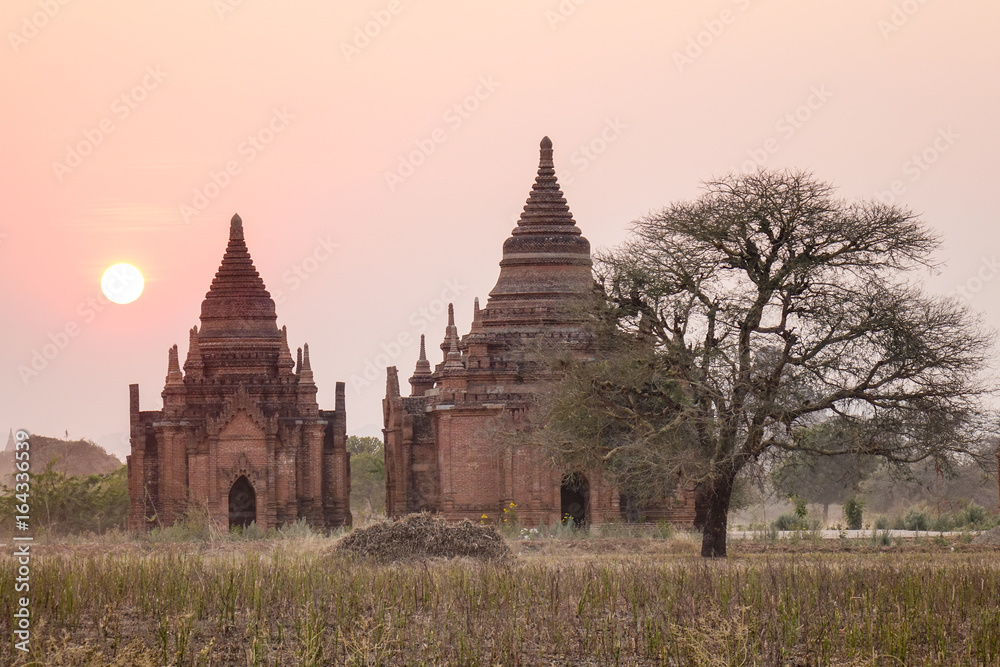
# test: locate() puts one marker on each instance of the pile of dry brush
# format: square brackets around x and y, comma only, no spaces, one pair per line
[418,536]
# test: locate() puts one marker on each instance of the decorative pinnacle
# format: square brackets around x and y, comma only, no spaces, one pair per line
[174,375]
[305,373]
[450,332]
[236,227]
[454,357]
[545,153]
[298,361]
[423,368]
[546,205]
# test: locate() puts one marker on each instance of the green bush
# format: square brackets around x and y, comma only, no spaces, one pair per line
[972,515]
[63,505]
[792,521]
[916,519]
[854,513]
[882,523]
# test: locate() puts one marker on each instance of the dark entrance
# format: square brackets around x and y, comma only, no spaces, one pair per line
[575,498]
[242,504]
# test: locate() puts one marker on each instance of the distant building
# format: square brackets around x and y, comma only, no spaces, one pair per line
[240,435]
[10,442]
[439,453]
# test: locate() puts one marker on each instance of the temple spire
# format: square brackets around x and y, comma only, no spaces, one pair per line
[174,375]
[454,357]
[194,365]
[306,373]
[285,362]
[450,332]
[477,317]
[546,205]
[238,304]
[422,378]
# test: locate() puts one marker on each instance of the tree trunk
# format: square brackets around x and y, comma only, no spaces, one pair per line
[713,541]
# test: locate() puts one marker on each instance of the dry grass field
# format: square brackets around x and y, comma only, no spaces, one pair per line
[597,601]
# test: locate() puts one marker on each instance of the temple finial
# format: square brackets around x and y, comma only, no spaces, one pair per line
[450,332]
[298,361]
[422,376]
[236,227]
[285,360]
[305,370]
[194,365]
[174,375]
[454,357]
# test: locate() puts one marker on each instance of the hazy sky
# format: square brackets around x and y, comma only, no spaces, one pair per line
[379,152]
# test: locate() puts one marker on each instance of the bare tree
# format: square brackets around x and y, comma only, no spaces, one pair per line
[764,307]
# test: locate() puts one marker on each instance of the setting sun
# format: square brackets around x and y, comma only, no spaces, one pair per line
[122,283]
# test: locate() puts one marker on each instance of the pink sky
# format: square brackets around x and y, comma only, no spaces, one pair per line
[161,96]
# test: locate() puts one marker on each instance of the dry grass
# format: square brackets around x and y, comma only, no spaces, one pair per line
[297,601]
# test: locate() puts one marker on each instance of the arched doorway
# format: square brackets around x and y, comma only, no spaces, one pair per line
[242,504]
[575,499]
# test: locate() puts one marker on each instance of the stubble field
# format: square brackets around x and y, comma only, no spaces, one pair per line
[558,602]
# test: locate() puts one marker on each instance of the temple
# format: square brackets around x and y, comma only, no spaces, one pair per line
[240,436]
[440,455]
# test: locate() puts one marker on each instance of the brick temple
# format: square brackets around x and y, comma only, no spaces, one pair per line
[240,435]
[440,455]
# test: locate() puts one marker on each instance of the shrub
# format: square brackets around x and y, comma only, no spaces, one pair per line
[853,513]
[787,521]
[916,519]
[972,515]
[882,523]
[663,531]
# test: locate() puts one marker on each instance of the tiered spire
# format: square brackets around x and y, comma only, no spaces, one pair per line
[237,304]
[174,375]
[422,378]
[454,358]
[285,362]
[546,206]
[545,259]
[194,365]
[306,373]
[450,332]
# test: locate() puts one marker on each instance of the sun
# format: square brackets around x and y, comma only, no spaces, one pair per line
[122,283]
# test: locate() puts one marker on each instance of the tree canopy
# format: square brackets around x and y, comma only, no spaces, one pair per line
[731,323]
